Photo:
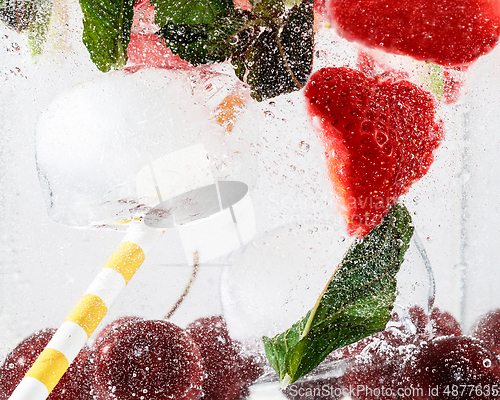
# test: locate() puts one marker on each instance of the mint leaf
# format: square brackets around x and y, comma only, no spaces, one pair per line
[39,26]
[20,14]
[106,31]
[190,11]
[271,48]
[32,16]
[280,59]
[356,303]
[269,8]
[205,43]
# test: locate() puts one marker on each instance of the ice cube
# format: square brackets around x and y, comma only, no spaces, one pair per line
[93,140]
[278,277]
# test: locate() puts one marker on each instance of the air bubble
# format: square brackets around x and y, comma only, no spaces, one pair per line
[304,146]
[487,363]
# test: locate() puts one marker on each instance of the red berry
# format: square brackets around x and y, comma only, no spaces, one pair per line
[75,383]
[457,368]
[112,326]
[147,360]
[446,32]
[444,324]
[382,134]
[145,46]
[453,83]
[377,372]
[487,329]
[228,371]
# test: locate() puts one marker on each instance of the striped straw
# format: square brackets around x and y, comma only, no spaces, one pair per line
[74,332]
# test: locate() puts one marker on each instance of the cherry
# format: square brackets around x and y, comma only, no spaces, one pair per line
[75,383]
[112,326]
[377,372]
[147,360]
[455,367]
[487,330]
[444,324]
[228,371]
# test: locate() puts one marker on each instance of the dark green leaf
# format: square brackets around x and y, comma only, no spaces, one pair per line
[39,26]
[205,43]
[356,303]
[269,8]
[19,14]
[280,59]
[106,31]
[271,48]
[28,15]
[190,11]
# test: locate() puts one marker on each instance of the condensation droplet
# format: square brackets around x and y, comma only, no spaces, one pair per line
[304,146]
[269,114]
[487,363]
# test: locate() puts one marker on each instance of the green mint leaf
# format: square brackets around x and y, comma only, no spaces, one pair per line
[280,59]
[206,43]
[106,31]
[39,26]
[190,11]
[17,14]
[356,303]
[32,16]
[269,8]
[271,49]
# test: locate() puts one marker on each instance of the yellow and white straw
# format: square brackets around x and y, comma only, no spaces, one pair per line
[210,237]
[71,336]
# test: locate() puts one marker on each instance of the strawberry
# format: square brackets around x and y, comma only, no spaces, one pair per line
[446,32]
[145,46]
[379,137]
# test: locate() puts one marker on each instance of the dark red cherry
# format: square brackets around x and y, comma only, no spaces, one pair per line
[487,329]
[455,368]
[444,324]
[148,360]
[228,370]
[75,383]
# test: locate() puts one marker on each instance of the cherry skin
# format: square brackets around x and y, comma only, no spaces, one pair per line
[228,371]
[444,324]
[112,326]
[378,370]
[75,383]
[147,360]
[486,329]
[449,367]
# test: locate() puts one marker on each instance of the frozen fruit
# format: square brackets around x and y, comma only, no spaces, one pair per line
[446,32]
[228,371]
[487,329]
[455,367]
[444,324]
[379,137]
[147,360]
[75,383]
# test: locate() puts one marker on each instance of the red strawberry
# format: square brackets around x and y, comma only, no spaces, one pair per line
[446,32]
[146,47]
[382,135]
